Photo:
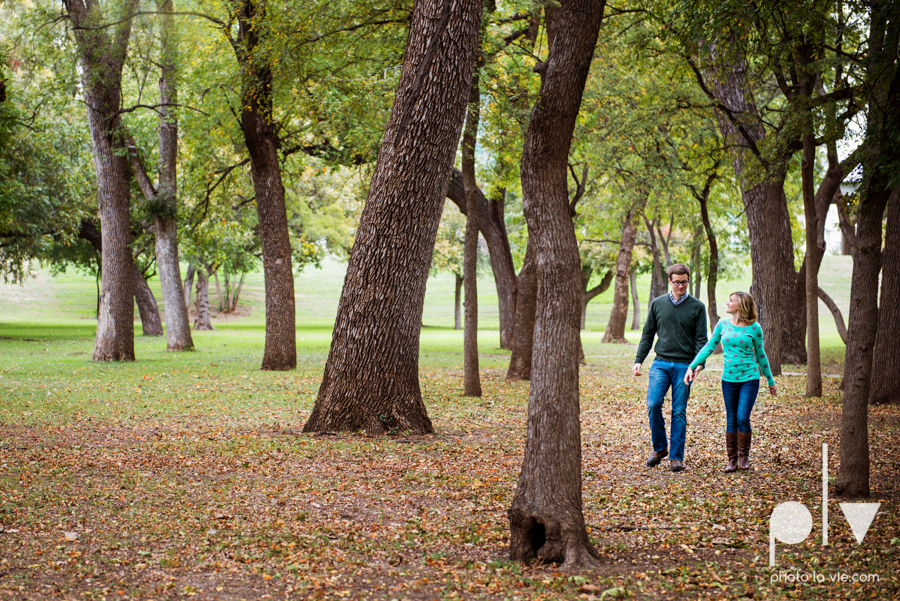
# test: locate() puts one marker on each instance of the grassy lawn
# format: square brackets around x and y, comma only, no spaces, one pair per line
[187,475]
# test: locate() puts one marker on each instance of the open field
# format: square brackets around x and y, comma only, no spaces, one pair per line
[187,475]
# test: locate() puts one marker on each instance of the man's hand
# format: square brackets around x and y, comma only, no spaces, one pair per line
[689,376]
[636,369]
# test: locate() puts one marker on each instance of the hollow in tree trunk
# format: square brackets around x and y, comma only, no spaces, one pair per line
[261,138]
[886,366]
[615,328]
[546,519]
[371,378]
[471,378]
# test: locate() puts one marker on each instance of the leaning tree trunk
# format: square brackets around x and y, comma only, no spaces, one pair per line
[588,295]
[102,52]
[471,378]
[615,328]
[261,138]
[546,518]
[526,305]
[151,323]
[457,298]
[635,303]
[886,366]
[493,228]
[202,317]
[371,377]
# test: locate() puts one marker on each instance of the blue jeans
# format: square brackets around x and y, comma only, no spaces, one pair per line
[739,400]
[664,374]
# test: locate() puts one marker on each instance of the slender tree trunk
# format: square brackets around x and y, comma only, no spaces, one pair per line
[102,53]
[886,366]
[237,293]
[836,313]
[457,298]
[471,378]
[712,277]
[615,328]
[151,323]
[261,138]
[189,285]
[635,303]
[546,518]
[493,228]
[813,260]
[589,295]
[658,281]
[202,318]
[178,327]
[214,271]
[526,305]
[371,376]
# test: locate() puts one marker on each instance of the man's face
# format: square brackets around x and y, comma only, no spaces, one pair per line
[679,283]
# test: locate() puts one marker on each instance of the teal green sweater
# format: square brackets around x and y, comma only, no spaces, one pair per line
[681,330]
[743,350]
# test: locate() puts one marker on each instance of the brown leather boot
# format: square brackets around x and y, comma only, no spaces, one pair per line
[743,441]
[731,447]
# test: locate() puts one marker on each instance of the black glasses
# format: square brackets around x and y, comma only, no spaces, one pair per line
[680,283]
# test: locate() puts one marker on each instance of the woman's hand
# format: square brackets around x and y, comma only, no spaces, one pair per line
[689,376]
[773,390]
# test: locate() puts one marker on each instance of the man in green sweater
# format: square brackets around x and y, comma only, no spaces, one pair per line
[678,320]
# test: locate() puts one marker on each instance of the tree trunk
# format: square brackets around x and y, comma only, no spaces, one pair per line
[526,305]
[102,52]
[178,327]
[836,313]
[493,228]
[260,136]
[712,277]
[214,272]
[151,323]
[546,518]
[658,281]
[371,375]
[237,293]
[886,366]
[589,295]
[615,328]
[813,259]
[471,378]
[457,298]
[189,284]
[202,318]
[635,303]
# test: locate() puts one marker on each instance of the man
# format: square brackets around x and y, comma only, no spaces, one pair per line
[678,320]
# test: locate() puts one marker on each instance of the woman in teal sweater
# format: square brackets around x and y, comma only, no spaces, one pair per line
[742,343]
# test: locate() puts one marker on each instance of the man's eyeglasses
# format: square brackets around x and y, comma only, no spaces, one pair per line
[680,282]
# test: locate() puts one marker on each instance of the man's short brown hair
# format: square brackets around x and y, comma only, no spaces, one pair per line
[679,269]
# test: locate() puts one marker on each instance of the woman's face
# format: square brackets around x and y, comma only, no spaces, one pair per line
[732,306]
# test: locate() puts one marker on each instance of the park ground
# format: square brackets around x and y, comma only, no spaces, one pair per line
[187,475]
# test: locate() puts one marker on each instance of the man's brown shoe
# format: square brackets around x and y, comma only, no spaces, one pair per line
[656,457]
[676,466]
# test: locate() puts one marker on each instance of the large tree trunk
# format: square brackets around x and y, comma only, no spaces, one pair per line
[635,303]
[371,379]
[151,323]
[880,151]
[526,305]
[546,518]
[102,52]
[178,327]
[493,228]
[886,366]
[471,378]
[615,328]
[261,138]
[202,317]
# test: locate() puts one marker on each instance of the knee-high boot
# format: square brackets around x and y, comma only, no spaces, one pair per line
[743,441]
[731,447]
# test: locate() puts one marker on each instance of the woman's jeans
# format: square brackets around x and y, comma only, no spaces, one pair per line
[662,375]
[739,400]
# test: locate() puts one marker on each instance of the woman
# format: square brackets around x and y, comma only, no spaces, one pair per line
[742,342]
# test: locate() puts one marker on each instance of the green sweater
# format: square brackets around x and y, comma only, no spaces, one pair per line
[743,349]
[680,329]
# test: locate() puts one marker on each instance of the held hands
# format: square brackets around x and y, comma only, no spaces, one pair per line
[691,374]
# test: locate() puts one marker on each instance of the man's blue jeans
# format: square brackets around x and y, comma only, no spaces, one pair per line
[739,400]
[664,374]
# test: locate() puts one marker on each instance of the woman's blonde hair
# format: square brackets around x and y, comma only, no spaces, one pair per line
[747,306]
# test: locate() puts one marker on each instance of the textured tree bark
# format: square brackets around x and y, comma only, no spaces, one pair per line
[471,378]
[546,519]
[813,260]
[493,228]
[202,317]
[457,298]
[102,52]
[526,305]
[151,323]
[635,302]
[589,295]
[189,285]
[886,366]
[615,328]
[178,327]
[371,375]
[261,138]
